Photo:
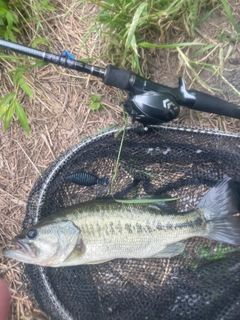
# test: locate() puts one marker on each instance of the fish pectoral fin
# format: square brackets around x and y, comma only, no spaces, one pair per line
[78,250]
[170,251]
[80,246]
[75,254]
[69,240]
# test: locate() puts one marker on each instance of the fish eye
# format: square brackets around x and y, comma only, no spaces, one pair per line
[32,234]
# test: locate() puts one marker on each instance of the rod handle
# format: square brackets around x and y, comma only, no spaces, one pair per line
[211,104]
[117,77]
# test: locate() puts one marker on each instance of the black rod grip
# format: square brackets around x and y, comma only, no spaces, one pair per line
[116,77]
[207,103]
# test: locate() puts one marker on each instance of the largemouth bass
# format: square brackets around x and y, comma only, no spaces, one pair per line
[101,230]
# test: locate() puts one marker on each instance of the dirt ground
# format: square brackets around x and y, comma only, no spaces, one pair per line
[59,116]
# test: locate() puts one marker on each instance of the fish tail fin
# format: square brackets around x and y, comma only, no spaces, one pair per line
[103,181]
[225,230]
[218,206]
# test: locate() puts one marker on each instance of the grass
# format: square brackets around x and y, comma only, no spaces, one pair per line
[125,24]
[193,65]
[14,16]
[128,23]
[132,28]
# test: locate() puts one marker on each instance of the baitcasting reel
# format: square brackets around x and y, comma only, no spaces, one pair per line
[149,103]
[151,107]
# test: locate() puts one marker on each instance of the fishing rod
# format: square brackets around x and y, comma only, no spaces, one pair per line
[149,102]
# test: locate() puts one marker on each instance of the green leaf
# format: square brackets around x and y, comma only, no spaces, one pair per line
[133,25]
[38,64]
[230,16]
[18,74]
[145,200]
[3,12]
[95,98]
[16,30]
[134,45]
[170,46]
[25,87]
[14,17]
[10,35]
[106,129]
[5,56]
[22,117]
[135,63]
[7,98]
[3,109]
[3,5]
[206,16]
[202,50]
[9,18]
[45,5]
[95,106]
[39,41]
[9,115]
[5,103]
[50,8]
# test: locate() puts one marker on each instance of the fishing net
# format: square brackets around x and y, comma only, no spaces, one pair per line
[201,283]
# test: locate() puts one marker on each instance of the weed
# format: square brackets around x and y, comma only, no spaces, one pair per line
[95,102]
[12,13]
[127,24]
[10,104]
[230,16]
[193,65]
[10,25]
[143,201]
[8,20]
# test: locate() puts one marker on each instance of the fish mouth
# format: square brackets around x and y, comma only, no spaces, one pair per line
[23,247]
[24,253]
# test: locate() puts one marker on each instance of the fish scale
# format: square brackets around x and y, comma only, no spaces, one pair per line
[111,226]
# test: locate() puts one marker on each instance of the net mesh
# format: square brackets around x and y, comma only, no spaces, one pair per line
[201,283]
